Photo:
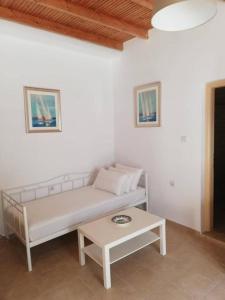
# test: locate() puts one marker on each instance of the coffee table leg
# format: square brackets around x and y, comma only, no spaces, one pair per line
[106,267]
[81,248]
[163,238]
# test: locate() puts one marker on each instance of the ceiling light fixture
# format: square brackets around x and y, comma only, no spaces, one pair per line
[177,15]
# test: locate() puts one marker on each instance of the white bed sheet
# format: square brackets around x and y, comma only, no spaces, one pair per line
[49,215]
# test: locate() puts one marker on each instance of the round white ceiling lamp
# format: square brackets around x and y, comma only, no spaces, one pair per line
[177,15]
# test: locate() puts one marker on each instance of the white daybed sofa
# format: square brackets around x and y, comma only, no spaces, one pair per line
[41,212]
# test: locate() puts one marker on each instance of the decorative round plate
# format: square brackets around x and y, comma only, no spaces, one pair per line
[121,219]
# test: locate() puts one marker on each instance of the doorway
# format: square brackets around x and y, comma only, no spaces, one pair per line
[219,161]
[213,213]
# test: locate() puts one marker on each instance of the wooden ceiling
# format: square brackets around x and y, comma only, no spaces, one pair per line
[105,22]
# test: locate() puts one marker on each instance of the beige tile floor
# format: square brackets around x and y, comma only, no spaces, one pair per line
[194,268]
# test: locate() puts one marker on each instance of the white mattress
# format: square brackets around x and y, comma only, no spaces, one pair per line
[49,215]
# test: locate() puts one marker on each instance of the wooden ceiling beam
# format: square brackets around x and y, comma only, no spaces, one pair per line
[91,15]
[16,16]
[145,3]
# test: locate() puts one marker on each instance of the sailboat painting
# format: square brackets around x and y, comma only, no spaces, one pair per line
[42,110]
[147,104]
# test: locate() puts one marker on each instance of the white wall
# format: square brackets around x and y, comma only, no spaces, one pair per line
[85,82]
[184,62]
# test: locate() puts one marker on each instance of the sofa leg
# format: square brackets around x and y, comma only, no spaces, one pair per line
[6,230]
[146,206]
[29,263]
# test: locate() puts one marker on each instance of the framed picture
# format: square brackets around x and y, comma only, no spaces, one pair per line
[42,110]
[147,105]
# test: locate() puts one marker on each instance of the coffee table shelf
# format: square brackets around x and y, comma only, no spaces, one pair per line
[122,250]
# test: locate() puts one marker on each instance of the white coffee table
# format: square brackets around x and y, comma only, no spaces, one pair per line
[112,242]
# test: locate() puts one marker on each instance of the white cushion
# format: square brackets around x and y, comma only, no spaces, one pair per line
[136,174]
[49,215]
[128,181]
[110,181]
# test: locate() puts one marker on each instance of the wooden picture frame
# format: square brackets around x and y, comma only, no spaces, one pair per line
[147,100]
[42,110]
